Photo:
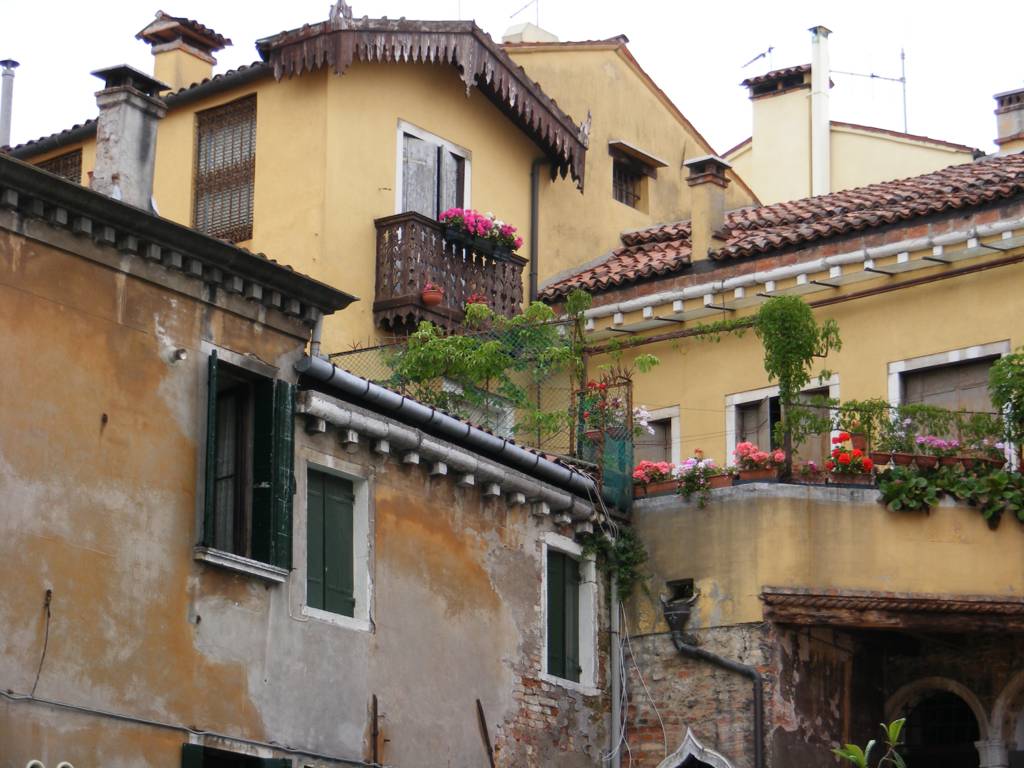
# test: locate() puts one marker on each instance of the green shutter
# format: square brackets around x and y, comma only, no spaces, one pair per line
[556,614]
[283,483]
[572,619]
[191,755]
[315,540]
[339,571]
[263,444]
[210,502]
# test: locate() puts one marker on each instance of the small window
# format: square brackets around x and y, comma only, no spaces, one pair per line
[195,756]
[67,166]
[627,182]
[755,423]
[434,175]
[225,170]
[957,386]
[330,540]
[657,446]
[563,616]
[249,445]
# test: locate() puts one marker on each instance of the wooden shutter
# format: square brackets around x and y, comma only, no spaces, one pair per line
[572,618]
[283,482]
[656,447]
[272,462]
[225,170]
[556,614]
[419,176]
[753,423]
[210,501]
[339,570]
[315,540]
[964,385]
[68,165]
[453,180]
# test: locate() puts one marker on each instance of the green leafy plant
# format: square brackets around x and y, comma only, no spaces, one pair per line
[1006,388]
[994,492]
[621,556]
[862,757]
[905,489]
[866,417]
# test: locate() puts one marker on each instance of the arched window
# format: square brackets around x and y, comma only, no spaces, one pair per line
[940,733]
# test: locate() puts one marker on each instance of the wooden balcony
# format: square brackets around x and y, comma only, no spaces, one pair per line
[411,250]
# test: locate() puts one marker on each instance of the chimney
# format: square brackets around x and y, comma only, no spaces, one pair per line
[126,134]
[708,181]
[182,49]
[7,67]
[527,33]
[821,131]
[1010,121]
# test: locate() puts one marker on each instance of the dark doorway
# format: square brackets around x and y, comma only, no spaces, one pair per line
[940,733]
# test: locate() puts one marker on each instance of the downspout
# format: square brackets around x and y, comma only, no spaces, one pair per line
[677,614]
[535,223]
[318,332]
[615,672]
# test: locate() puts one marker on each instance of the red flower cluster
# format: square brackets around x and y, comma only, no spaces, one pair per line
[849,460]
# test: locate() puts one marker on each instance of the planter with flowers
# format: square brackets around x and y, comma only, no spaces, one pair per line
[698,475]
[482,232]
[943,452]
[849,465]
[432,294]
[809,473]
[757,465]
[654,477]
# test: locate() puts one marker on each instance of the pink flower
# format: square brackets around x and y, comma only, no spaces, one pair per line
[517,243]
[778,457]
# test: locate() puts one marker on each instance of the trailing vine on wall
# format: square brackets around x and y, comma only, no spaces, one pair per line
[994,493]
[622,556]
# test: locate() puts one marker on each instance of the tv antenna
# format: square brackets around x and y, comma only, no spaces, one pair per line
[902,80]
[536,8]
[766,54]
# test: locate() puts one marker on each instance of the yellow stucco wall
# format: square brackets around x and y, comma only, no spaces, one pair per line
[624,106]
[750,537]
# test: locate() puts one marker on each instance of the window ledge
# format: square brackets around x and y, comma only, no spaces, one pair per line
[337,619]
[586,690]
[241,564]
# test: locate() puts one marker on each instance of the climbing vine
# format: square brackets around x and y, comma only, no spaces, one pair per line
[622,556]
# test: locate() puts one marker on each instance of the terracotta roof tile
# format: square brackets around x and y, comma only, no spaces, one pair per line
[665,249]
[775,74]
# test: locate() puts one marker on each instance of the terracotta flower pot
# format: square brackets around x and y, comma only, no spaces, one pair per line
[431,297]
[810,480]
[593,435]
[997,463]
[880,458]
[659,488]
[719,481]
[852,478]
[968,462]
[949,461]
[859,441]
[902,459]
[925,462]
[769,475]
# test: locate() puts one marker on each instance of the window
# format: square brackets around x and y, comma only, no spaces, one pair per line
[68,166]
[330,569]
[249,444]
[656,447]
[225,170]
[434,174]
[195,756]
[755,423]
[627,182]
[563,616]
[955,386]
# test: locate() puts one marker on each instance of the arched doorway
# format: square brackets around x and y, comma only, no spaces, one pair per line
[941,732]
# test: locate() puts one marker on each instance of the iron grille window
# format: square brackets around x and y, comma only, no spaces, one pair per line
[67,166]
[626,182]
[225,171]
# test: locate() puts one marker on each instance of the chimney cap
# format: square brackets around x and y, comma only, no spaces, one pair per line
[166,29]
[707,168]
[820,30]
[9,64]
[123,75]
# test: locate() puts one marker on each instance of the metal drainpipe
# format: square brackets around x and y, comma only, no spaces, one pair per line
[677,613]
[7,67]
[534,222]
[615,672]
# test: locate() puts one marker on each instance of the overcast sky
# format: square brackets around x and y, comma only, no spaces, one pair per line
[958,54]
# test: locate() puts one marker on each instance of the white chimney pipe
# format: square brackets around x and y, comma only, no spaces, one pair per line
[7,67]
[821,127]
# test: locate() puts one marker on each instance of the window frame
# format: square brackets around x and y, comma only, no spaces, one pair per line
[634,169]
[588,608]
[57,164]
[404,128]
[202,550]
[897,368]
[362,539]
[670,414]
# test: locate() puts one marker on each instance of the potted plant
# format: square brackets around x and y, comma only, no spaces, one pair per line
[432,294]
[809,473]
[755,464]
[896,440]
[482,232]
[698,475]
[652,477]
[943,451]
[1006,388]
[849,465]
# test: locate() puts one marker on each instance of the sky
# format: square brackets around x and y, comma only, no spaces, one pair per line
[957,55]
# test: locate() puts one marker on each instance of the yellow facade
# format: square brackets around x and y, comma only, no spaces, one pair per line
[624,104]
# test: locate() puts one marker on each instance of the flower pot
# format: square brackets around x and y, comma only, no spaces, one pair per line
[997,463]
[968,462]
[808,480]
[483,245]
[502,253]
[851,478]
[902,459]
[593,435]
[949,461]
[719,481]
[659,488]
[431,297]
[926,462]
[859,441]
[880,458]
[459,237]
[769,475]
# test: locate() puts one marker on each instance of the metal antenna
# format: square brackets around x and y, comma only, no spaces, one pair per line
[902,80]
[536,5]
[766,54]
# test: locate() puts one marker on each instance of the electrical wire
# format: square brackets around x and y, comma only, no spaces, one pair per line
[640,676]
[46,639]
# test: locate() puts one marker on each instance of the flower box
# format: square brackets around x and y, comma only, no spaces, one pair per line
[654,489]
[881,458]
[720,481]
[925,462]
[902,459]
[769,475]
[809,480]
[949,461]
[458,236]
[852,478]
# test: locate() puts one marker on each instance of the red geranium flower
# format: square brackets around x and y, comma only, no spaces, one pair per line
[829,465]
[867,464]
[844,458]
[857,453]
[844,436]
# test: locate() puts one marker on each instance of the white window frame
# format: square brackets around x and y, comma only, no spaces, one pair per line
[962,355]
[362,540]
[675,439]
[421,133]
[588,614]
[755,395]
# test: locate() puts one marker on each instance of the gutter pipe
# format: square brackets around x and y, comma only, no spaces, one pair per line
[615,673]
[677,613]
[443,425]
[534,223]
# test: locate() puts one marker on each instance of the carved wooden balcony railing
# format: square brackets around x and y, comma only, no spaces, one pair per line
[411,250]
